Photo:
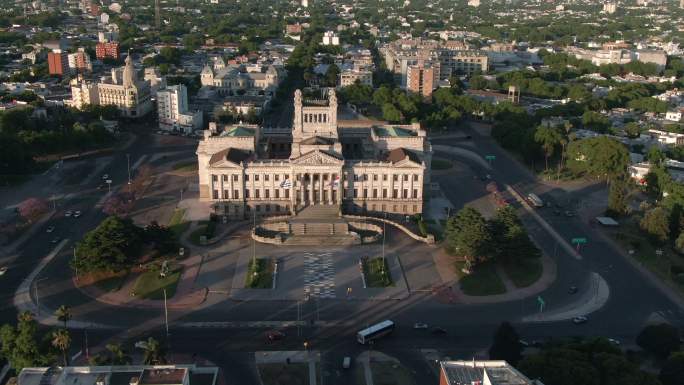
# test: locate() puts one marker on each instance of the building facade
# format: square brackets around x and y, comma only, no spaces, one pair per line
[420,79]
[107,50]
[357,166]
[174,114]
[80,61]
[349,77]
[58,63]
[229,80]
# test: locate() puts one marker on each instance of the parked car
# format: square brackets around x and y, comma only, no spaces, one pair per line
[105,176]
[55,240]
[77,213]
[572,290]
[50,229]
[3,270]
[614,341]
[275,335]
[579,320]
[569,213]
[68,213]
[420,325]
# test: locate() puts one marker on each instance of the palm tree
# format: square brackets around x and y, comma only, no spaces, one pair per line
[62,340]
[118,356]
[548,137]
[25,316]
[63,314]
[154,352]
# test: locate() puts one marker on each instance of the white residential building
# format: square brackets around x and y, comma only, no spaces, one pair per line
[331,38]
[172,107]
[674,115]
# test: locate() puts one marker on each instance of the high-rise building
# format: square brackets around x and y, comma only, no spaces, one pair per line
[80,61]
[174,114]
[58,63]
[420,79]
[330,38]
[107,50]
[610,7]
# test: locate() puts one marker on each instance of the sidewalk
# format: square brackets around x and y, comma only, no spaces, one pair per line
[310,357]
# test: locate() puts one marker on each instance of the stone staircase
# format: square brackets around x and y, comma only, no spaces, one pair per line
[321,212]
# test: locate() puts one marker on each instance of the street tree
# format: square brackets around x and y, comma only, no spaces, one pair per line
[656,223]
[111,246]
[32,208]
[660,340]
[601,157]
[19,345]
[506,345]
[154,353]
[548,137]
[63,314]
[617,196]
[468,235]
[62,341]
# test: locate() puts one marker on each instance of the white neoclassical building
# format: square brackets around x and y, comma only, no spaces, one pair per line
[358,166]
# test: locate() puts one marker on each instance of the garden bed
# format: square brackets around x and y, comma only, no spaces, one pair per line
[376,272]
[260,274]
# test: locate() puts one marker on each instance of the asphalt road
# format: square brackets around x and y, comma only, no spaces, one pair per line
[633,298]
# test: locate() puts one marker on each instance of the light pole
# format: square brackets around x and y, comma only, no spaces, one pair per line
[35,289]
[254,245]
[128,160]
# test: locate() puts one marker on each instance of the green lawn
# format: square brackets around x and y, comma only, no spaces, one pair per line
[150,286]
[186,166]
[284,374]
[523,272]
[441,164]
[176,223]
[390,373]
[263,279]
[482,281]
[377,273]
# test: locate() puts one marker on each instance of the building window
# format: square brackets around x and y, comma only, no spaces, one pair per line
[415,177]
[384,177]
[235,178]
[356,193]
[236,194]
[375,193]
[256,193]
[267,193]
[277,177]
[396,178]
[256,177]
[225,178]
[246,177]
[287,176]
[375,177]
[415,208]
[365,193]
[215,194]
[384,193]
[356,178]
[247,193]
[277,193]
[405,193]
[405,177]
[415,193]
[226,194]
[214,178]
[287,193]
[266,177]
[395,193]
[365,177]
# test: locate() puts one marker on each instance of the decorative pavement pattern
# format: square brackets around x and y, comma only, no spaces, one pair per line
[319,275]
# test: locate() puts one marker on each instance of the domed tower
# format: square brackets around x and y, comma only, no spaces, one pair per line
[129,78]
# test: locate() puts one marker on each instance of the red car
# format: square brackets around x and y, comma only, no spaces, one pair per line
[275,335]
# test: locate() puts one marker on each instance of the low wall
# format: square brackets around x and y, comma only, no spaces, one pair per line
[368,227]
[274,241]
[430,239]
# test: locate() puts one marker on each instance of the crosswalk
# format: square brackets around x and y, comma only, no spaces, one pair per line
[319,275]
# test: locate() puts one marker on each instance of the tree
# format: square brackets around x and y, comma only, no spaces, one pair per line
[20,345]
[617,196]
[632,129]
[154,353]
[548,137]
[331,75]
[63,314]
[391,113]
[655,222]
[111,246]
[672,371]
[62,340]
[117,355]
[477,82]
[32,208]
[162,237]
[468,235]
[660,340]
[601,157]
[506,345]
[118,204]
[510,240]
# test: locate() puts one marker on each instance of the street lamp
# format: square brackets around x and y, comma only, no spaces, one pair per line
[128,160]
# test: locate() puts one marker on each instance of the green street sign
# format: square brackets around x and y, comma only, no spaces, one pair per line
[541,300]
[490,157]
[579,241]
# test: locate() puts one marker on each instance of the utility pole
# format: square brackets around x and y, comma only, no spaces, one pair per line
[35,290]
[128,160]
[254,245]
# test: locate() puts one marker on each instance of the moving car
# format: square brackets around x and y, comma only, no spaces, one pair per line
[3,270]
[579,320]
[50,229]
[420,325]
[438,330]
[572,290]
[614,341]
[55,240]
[77,213]
[68,213]
[346,363]
[105,176]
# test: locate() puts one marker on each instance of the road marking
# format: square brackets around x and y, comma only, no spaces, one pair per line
[138,162]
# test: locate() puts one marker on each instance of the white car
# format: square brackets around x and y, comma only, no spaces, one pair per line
[420,325]
[77,213]
[105,176]
[579,320]
[68,213]
[50,229]
[614,341]
[3,270]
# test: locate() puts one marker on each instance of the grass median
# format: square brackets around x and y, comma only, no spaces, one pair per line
[376,272]
[150,285]
[523,272]
[260,274]
[482,281]
[296,373]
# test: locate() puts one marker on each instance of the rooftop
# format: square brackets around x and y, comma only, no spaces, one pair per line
[119,375]
[393,131]
[240,131]
[165,376]
[483,372]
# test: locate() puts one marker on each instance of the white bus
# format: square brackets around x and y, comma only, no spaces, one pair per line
[535,200]
[376,331]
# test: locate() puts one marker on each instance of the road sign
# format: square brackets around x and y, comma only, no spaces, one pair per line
[579,241]
[108,181]
[490,157]
[541,302]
